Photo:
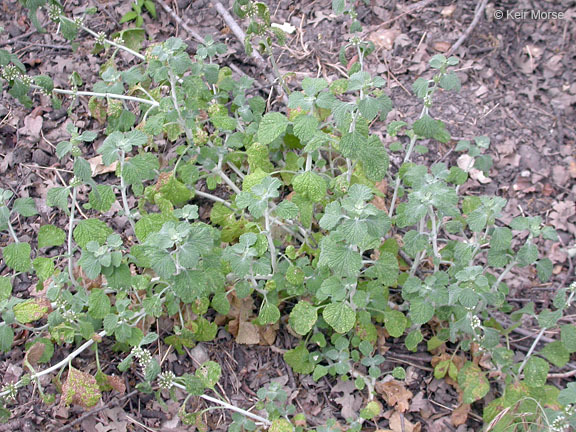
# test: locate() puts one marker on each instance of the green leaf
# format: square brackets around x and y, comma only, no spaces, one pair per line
[140,168]
[17,256]
[31,310]
[98,304]
[473,382]
[544,268]
[50,235]
[176,192]
[339,257]
[305,127]
[568,395]
[536,372]
[303,317]
[58,197]
[44,267]
[287,210]
[527,254]
[25,207]
[5,288]
[151,223]
[420,88]
[385,269]
[501,239]
[413,339]
[269,314]
[271,127]
[351,144]
[299,359]
[102,197]
[556,353]
[91,230]
[395,322]
[428,127]
[6,337]
[190,285]
[82,170]
[421,312]
[209,373]
[310,185]
[375,159]
[450,81]
[340,317]
[568,337]
[477,220]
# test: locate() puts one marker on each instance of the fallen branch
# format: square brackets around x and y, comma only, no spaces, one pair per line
[181,22]
[477,14]
[241,36]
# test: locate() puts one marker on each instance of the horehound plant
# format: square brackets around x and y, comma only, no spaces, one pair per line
[300,226]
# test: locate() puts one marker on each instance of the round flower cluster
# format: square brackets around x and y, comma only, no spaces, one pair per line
[54,12]
[475,322]
[101,38]
[558,424]
[70,316]
[10,72]
[11,390]
[143,355]
[166,380]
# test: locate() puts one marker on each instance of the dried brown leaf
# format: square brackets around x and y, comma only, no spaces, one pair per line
[247,333]
[460,415]
[395,394]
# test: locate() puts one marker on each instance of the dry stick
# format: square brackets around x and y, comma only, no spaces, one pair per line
[239,33]
[410,10]
[181,22]
[477,14]
[17,38]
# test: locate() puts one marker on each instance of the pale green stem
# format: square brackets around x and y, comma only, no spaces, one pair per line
[109,42]
[275,67]
[434,234]
[227,180]
[12,232]
[123,191]
[70,229]
[419,256]
[226,405]
[101,95]
[271,245]
[539,336]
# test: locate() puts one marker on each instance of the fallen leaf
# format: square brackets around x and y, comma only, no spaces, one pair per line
[32,125]
[247,333]
[448,11]
[460,414]
[384,38]
[399,423]
[395,394]
[441,46]
[98,166]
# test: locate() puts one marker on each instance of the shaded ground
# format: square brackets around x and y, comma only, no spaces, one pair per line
[518,89]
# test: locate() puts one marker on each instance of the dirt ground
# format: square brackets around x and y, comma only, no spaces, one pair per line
[519,89]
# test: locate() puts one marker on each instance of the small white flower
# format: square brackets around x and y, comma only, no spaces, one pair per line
[558,425]
[143,355]
[166,380]
[100,38]
[53,12]
[11,390]
[475,322]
